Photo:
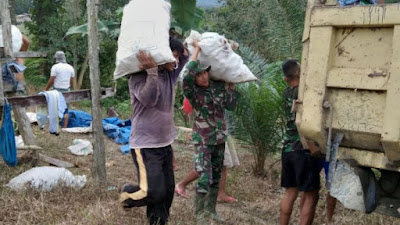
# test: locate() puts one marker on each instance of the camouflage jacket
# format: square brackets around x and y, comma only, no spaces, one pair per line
[291,138]
[209,127]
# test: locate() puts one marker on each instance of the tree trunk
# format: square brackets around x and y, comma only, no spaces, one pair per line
[260,164]
[260,159]
[83,71]
[74,44]
[99,165]
[12,12]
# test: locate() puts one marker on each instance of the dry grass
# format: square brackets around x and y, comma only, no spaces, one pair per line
[259,197]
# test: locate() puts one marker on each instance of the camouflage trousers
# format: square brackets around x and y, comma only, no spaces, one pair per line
[208,162]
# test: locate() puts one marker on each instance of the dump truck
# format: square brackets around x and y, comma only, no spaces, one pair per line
[349,100]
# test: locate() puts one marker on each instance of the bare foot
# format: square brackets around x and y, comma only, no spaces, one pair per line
[224,198]
[180,190]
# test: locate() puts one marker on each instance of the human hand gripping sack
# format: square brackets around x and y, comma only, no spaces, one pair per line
[231,86]
[146,60]
[196,44]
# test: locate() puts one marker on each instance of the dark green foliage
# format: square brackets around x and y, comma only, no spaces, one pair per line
[32,74]
[109,8]
[186,15]
[50,22]
[22,6]
[181,119]
[273,28]
[260,117]
[123,108]
[53,19]
[103,26]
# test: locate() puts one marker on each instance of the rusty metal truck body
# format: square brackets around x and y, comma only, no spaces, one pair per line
[350,84]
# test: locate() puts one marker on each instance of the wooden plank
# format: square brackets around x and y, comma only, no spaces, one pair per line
[99,162]
[29,147]
[359,16]
[391,122]
[24,125]
[312,126]
[304,61]
[355,78]
[55,162]
[30,54]
[22,55]
[72,96]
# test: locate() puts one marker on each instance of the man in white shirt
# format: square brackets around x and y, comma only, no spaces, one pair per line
[62,74]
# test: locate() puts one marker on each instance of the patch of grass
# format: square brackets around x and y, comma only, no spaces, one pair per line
[259,197]
[123,108]
[38,82]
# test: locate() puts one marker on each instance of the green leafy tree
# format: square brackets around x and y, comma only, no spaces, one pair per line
[22,6]
[260,117]
[186,15]
[271,27]
[50,22]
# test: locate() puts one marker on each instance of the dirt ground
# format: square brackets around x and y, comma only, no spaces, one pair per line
[259,198]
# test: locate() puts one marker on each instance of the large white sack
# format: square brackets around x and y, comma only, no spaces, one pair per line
[216,51]
[16,37]
[145,26]
[81,147]
[46,178]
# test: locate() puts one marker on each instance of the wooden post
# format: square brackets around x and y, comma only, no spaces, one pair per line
[19,112]
[99,164]
[6,29]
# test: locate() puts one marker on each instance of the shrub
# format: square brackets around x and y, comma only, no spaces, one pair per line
[259,115]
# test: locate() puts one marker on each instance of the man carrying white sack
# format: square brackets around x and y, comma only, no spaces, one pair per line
[153,132]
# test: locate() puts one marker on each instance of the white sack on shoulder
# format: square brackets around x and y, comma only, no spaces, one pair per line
[145,26]
[216,51]
[46,178]
[16,37]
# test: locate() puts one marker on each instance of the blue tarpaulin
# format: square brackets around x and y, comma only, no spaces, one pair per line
[115,128]
[8,149]
[78,119]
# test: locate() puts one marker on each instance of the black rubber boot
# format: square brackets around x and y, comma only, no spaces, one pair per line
[202,217]
[211,204]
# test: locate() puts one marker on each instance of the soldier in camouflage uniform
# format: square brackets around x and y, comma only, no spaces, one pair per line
[300,170]
[209,100]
